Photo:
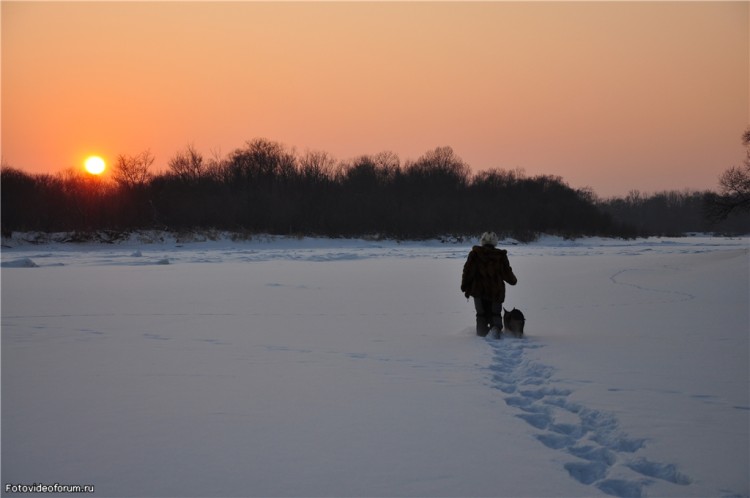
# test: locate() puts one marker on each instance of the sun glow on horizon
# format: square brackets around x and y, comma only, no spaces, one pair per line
[95,165]
[612,96]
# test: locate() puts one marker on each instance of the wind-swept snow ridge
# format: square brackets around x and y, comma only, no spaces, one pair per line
[602,455]
[20,263]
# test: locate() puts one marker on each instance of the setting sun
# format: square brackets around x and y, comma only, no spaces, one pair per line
[95,165]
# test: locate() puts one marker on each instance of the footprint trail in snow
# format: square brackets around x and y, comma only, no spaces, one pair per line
[602,455]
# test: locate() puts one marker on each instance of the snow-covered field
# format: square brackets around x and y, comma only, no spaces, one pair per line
[311,367]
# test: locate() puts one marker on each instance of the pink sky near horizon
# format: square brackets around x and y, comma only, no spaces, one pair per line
[614,96]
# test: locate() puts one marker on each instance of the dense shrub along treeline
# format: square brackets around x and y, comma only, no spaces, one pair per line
[266,187]
[674,213]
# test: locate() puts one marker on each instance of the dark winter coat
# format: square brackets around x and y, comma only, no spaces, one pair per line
[485,272]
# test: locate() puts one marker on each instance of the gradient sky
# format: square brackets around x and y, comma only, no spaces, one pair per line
[615,95]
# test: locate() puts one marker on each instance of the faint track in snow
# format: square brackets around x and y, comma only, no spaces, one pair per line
[675,296]
[602,455]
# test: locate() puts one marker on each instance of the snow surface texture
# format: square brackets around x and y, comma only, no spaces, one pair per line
[312,367]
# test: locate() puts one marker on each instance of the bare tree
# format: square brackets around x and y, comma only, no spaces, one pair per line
[133,171]
[441,167]
[261,160]
[388,161]
[734,187]
[316,166]
[188,164]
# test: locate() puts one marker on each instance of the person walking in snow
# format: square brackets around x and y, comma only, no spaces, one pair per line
[485,273]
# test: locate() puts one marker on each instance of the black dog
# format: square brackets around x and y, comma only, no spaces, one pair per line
[514,322]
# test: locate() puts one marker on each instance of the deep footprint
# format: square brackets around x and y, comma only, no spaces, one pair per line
[666,472]
[621,488]
[593,454]
[586,473]
[537,420]
[555,441]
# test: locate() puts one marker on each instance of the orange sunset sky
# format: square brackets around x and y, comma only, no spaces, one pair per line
[611,95]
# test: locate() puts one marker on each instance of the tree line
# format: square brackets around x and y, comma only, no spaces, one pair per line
[265,187]
[679,212]
[675,213]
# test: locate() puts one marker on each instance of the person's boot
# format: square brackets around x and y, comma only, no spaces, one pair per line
[495,332]
[483,327]
[497,325]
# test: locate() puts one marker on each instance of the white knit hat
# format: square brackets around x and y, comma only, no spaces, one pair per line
[488,238]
